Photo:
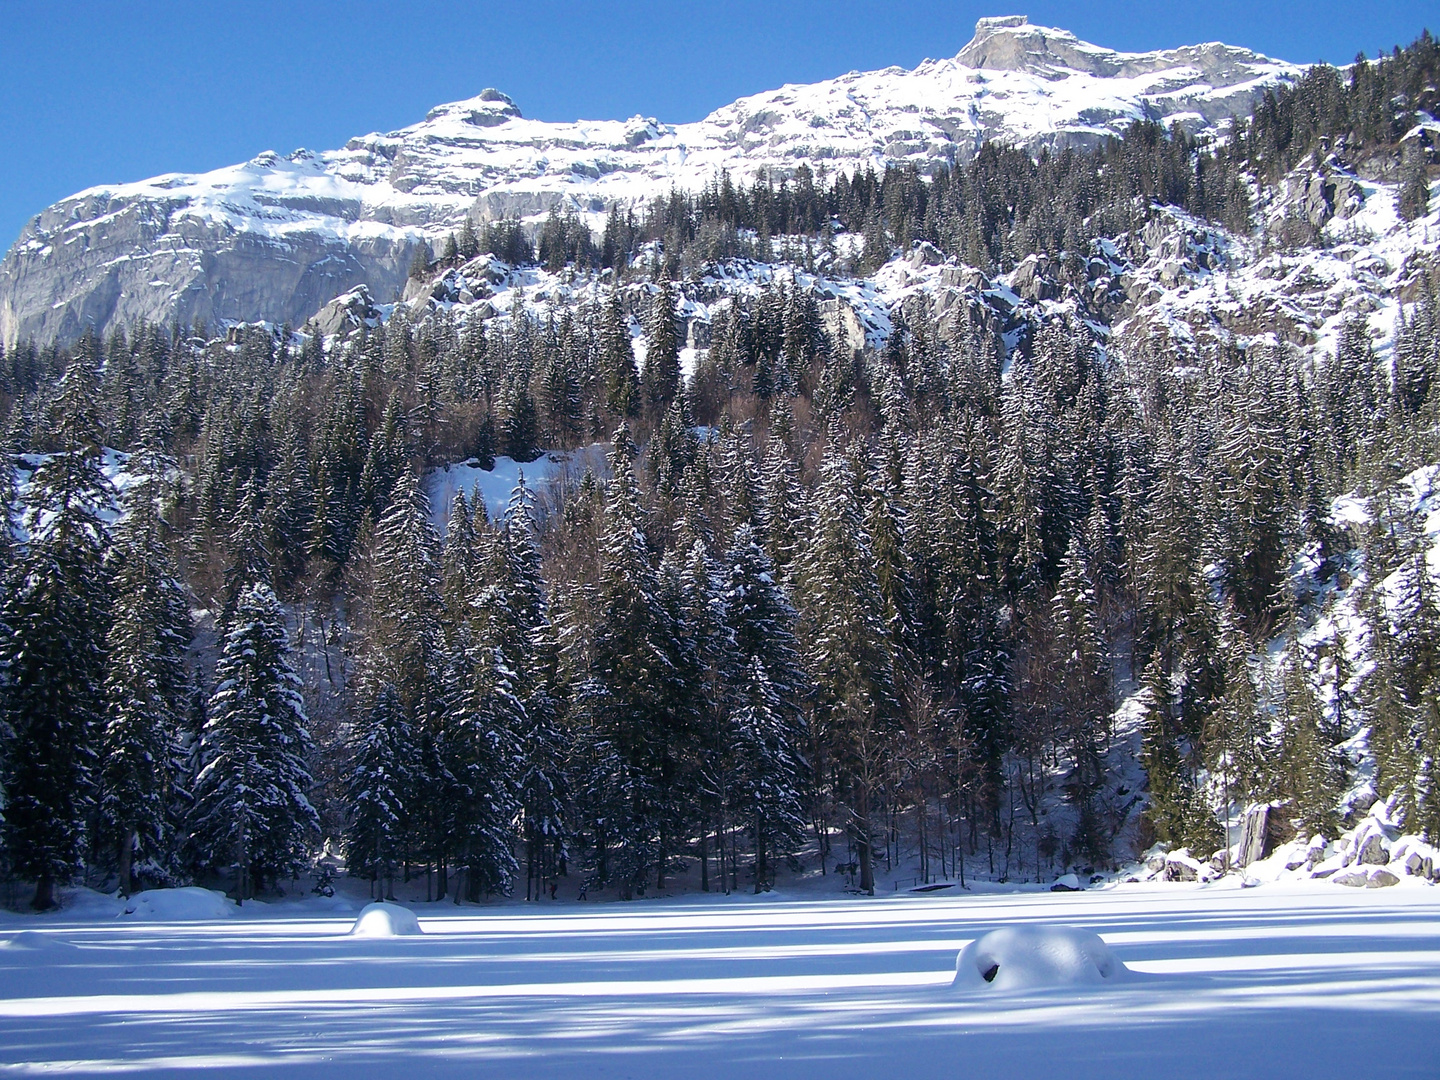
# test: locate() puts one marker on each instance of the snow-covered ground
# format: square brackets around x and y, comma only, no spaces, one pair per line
[1305,979]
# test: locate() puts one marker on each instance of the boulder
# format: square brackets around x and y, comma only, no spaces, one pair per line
[1181,870]
[1354,878]
[1373,851]
[1255,840]
[1380,879]
[1066,883]
[354,308]
[925,254]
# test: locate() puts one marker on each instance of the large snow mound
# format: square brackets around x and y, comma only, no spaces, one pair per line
[189,903]
[385,920]
[1036,958]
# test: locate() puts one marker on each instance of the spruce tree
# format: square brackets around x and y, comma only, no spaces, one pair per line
[252,809]
[848,648]
[379,787]
[662,352]
[55,618]
[629,698]
[148,685]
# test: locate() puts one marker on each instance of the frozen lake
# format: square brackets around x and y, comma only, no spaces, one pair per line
[1311,980]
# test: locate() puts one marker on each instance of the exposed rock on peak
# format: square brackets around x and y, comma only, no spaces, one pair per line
[1011,43]
[276,238]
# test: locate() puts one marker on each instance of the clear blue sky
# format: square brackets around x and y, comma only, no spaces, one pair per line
[95,93]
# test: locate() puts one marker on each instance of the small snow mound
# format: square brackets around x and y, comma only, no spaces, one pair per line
[189,903]
[385,920]
[1036,958]
[1066,883]
[34,941]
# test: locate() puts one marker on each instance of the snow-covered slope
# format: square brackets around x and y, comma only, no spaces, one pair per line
[277,237]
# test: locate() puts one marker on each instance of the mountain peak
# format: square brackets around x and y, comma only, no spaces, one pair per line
[1012,43]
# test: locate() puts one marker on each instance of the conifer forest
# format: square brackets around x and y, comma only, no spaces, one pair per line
[991,595]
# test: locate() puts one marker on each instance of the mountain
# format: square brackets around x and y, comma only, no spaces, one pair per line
[277,237]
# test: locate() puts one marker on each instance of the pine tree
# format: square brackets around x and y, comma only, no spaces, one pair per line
[662,352]
[378,790]
[849,650]
[252,809]
[1169,792]
[768,725]
[629,699]
[618,374]
[543,786]
[1308,775]
[55,618]
[148,685]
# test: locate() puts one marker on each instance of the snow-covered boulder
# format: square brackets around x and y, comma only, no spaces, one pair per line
[1066,883]
[381,920]
[1036,958]
[180,905]
[1182,866]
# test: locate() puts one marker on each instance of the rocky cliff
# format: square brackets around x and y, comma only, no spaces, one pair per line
[278,237]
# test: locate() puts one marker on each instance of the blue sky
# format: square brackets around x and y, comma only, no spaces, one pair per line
[95,93]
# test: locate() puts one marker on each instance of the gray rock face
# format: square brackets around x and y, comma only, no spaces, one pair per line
[99,261]
[279,237]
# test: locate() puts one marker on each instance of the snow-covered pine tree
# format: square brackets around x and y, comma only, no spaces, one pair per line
[848,647]
[543,786]
[661,379]
[1082,687]
[148,683]
[618,374]
[252,810]
[628,698]
[403,646]
[378,790]
[768,722]
[55,617]
[1308,776]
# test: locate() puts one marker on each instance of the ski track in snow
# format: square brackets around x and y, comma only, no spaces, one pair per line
[1279,981]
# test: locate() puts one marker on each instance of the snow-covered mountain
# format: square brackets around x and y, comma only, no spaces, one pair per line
[277,237]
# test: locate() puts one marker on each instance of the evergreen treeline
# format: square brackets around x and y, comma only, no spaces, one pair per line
[881,598]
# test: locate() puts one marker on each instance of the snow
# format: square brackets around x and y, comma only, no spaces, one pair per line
[187,904]
[36,942]
[381,920]
[482,157]
[1036,958]
[1292,979]
[494,485]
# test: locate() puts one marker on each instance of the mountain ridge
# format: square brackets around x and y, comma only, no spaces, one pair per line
[277,237]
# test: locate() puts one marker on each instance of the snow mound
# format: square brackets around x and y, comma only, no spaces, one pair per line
[189,903]
[1066,883]
[34,941]
[1036,958]
[385,920]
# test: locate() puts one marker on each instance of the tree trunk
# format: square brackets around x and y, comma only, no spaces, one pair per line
[704,861]
[126,863]
[760,868]
[44,893]
[867,869]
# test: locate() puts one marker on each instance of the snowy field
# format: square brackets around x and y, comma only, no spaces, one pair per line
[1288,980]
